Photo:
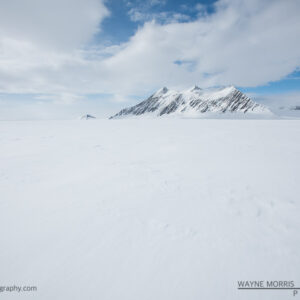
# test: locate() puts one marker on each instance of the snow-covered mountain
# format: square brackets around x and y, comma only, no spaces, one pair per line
[193,102]
[87,117]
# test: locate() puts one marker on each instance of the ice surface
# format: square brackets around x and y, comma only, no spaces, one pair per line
[149,209]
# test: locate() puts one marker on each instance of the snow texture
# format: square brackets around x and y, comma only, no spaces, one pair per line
[164,209]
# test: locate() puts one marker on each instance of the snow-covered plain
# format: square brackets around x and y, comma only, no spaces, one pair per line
[149,209]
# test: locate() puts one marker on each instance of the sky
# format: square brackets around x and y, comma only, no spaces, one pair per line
[64,58]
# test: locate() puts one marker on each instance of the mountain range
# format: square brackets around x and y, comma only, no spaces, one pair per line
[195,102]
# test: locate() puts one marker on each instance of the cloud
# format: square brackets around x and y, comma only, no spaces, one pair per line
[157,2]
[44,48]
[136,15]
[62,98]
[142,11]
[41,43]
[146,4]
[245,43]
[276,101]
[55,24]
